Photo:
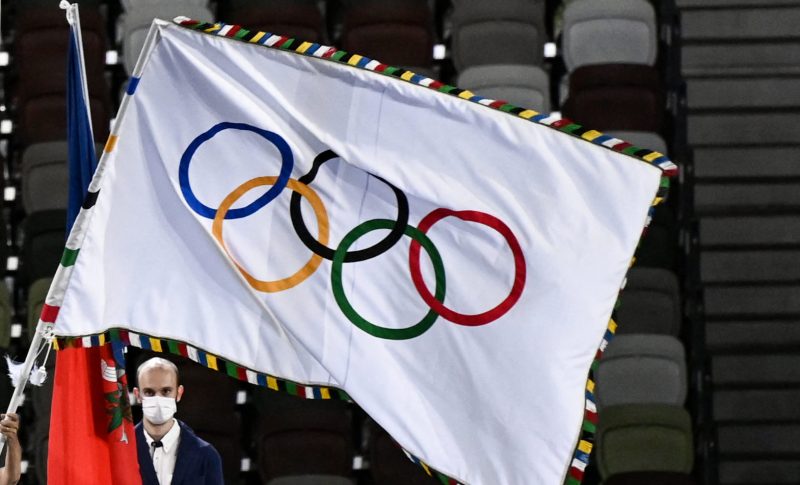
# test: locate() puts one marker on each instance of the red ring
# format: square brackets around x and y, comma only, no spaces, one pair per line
[519,268]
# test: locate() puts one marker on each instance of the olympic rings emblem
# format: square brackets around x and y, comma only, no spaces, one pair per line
[301,187]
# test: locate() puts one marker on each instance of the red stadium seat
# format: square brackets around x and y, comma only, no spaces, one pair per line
[395,33]
[616,97]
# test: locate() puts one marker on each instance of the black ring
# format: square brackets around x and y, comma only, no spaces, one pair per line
[311,243]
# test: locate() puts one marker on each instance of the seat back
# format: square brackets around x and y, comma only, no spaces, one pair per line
[135,23]
[289,18]
[651,478]
[389,465]
[43,236]
[610,97]
[520,85]
[650,303]
[302,437]
[644,437]
[642,369]
[312,480]
[609,31]
[507,32]
[642,139]
[395,33]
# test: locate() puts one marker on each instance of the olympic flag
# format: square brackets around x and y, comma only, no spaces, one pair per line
[315,221]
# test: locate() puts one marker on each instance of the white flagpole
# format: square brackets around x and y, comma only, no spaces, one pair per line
[74,19]
[43,335]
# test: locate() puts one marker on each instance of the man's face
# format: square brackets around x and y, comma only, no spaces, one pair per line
[158,381]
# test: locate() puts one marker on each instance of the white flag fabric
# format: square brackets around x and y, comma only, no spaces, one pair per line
[311,220]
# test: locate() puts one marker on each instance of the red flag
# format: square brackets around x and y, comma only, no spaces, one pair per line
[92,439]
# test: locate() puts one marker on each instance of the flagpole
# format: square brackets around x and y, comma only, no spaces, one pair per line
[74,20]
[44,330]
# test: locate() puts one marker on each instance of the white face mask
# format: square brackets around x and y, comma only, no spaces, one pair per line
[158,409]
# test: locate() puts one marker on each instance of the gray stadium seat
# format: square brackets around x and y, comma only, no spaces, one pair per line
[45,181]
[642,139]
[644,437]
[650,303]
[135,23]
[508,32]
[524,86]
[45,176]
[642,369]
[609,31]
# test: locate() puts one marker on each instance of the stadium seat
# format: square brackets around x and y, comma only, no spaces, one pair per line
[302,437]
[609,31]
[135,22]
[45,176]
[644,437]
[659,246]
[291,18]
[650,303]
[311,480]
[45,179]
[642,139]
[613,97]
[651,478]
[389,465]
[642,369]
[508,32]
[40,52]
[44,119]
[395,33]
[520,85]
[42,235]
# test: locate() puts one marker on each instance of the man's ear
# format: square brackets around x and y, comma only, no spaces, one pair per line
[136,394]
[179,394]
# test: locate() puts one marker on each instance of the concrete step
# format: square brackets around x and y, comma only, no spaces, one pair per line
[756,404]
[731,195]
[771,371]
[766,301]
[741,24]
[754,58]
[731,336]
[756,230]
[750,266]
[744,128]
[759,472]
[749,93]
[748,161]
[759,439]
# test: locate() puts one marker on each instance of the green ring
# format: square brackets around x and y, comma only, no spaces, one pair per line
[341,299]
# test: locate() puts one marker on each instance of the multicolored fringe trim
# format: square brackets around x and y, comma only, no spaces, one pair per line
[208,360]
[157,344]
[214,362]
[311,49]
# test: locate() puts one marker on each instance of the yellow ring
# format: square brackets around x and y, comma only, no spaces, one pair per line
[322,229]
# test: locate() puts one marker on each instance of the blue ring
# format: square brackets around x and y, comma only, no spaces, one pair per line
[287,163]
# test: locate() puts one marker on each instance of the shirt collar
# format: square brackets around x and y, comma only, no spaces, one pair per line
[169,440]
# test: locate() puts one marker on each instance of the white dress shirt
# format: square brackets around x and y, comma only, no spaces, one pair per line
[164,456]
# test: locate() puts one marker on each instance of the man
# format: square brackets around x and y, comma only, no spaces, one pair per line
[9,426]
[169,451]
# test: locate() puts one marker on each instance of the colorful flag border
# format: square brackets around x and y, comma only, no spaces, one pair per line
[49,314]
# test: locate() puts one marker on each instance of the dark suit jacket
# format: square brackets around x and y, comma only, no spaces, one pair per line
[197,463]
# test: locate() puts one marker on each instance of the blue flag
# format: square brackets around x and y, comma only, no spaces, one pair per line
[82,159]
